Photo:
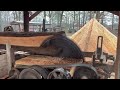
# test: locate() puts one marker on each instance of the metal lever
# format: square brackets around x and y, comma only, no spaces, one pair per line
[99,47]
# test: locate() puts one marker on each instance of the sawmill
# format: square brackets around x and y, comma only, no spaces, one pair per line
[53,55]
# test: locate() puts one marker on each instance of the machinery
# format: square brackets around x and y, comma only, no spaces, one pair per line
[48,46]
[99,54]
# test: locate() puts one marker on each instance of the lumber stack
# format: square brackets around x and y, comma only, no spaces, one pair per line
[86,37]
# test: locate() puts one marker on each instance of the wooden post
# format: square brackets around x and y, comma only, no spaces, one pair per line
[26,21]
[9,59]
[117,62]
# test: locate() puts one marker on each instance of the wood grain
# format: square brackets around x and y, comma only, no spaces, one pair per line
[45,60]
[34,41]
[86,37]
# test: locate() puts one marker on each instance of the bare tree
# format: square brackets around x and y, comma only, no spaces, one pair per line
[83,18]
[61,15]
[19,14]
[112,21]
[74,19]
[79,19]
[102,18]
[45,15]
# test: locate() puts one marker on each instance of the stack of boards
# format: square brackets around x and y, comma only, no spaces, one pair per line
[86,38]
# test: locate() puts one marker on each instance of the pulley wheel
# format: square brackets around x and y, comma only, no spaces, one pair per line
[44,72]
[59,73]
[33,72]
[84,73]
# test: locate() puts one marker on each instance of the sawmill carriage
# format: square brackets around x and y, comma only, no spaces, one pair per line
[50,55]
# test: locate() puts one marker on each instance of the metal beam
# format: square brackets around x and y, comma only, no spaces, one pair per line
[117,62]
[34,15]
[26,21]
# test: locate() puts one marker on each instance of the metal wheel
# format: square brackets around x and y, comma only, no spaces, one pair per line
[44,72]
[85,73]
[59,73]
[33,72]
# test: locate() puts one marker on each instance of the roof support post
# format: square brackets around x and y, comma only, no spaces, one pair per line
[117,62]
[26,21]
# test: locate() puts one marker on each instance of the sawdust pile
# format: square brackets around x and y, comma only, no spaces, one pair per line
[45,60]
[86,37]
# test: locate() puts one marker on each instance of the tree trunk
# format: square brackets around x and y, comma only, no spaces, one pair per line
[83,18]
[102,18]
[45,15]
[19,12]
[58,16]
[16,15]
[50,16]
[79,20]
[90,15]
[74,20]
[61,18]
[86,17]
[112,22]
[97,15]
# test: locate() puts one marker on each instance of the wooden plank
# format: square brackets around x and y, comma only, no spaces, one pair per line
[35,41]
[46,60]
[9,59]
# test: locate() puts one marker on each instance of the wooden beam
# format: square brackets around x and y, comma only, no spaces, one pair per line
[117,62]
[34,15]
[26,21]
[9,58]
[34,41]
